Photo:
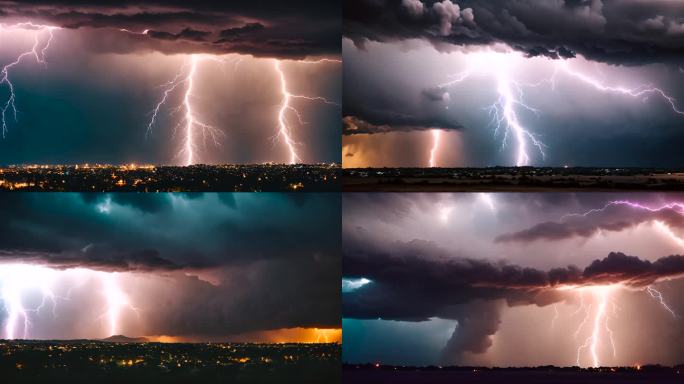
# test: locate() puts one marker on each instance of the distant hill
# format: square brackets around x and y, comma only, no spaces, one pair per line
[124,339]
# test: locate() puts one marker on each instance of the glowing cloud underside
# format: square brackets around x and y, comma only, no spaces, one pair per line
[506,110]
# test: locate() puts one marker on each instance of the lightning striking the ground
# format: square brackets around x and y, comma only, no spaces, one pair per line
[190,123]
[42,37]
[435,147]
[284,128]
[600,332]
[26,290]
[506,110]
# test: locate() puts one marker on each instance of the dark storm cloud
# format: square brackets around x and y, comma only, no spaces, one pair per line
[273,259]
[417,280]
[272,28]
[623,32]
[352,125]
[614,217]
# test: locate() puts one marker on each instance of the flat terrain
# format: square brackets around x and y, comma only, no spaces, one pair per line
[540,375]
[89,361]
[150,178]
[513,179]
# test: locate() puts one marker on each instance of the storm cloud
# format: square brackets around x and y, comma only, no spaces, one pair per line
[195,264]
[621,32]
[264,29]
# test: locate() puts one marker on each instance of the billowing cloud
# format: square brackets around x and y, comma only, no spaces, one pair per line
[616,216]
[417,281]
[272,29]
[194,264]
[624,32]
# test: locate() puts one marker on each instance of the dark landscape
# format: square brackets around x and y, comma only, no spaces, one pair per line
[150,178]
[372,373]
[513,179]
[100,361]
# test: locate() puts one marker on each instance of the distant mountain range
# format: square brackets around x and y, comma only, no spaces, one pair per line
[125,339]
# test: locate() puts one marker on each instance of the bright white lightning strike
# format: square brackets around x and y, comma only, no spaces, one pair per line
[659,296]
[600,333]
[284,129]
[42,38]
[505,110]
[435,146]
[190,122]
[19,283]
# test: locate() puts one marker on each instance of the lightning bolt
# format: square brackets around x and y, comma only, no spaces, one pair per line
[284,129]
[435,147]
[659,296]
[505,110]
[38,51]
[640,91]
[190,122]
[599,324]
[20,280]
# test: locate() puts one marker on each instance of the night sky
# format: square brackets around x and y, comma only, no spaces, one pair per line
[593,83]
[513,279]
[107,63]
[188,267]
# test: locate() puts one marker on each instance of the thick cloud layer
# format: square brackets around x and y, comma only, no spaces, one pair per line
[294,29]
[201,265]
[434,269]
[616,216]
[622,32]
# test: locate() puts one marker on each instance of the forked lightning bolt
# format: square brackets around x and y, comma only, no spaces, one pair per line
[190,123]
[18,282]
[284,129]
[505,110]
[42,37]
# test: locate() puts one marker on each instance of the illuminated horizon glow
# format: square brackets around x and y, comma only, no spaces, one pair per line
[37,51]
[504,111]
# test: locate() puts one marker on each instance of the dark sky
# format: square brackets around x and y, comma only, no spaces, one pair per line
[513,279]
[93,98]
[197,266]
[581,76]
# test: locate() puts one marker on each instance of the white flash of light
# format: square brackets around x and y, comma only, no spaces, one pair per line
[599,325]
[42,38]
[659,296]
[116,301]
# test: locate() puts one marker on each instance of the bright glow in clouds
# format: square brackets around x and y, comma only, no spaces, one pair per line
[349,285]
[21,283]
[506,110]
[42,36]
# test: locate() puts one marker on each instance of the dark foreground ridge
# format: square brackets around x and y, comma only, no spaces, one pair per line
[377,373]
[193,178]
[96,361]
[524,179]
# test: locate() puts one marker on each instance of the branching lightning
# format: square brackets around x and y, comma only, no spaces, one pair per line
[284,129]
[505,111]
[42,37]
[20,282]
[190,123]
